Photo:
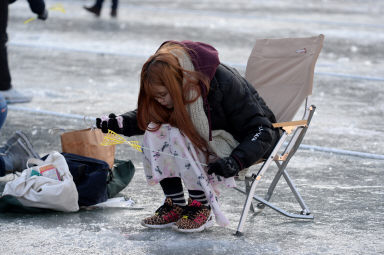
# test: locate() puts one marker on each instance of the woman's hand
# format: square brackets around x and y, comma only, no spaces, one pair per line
[112,122]
[226,167]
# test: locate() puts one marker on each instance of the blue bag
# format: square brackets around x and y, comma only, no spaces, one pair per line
[90,176]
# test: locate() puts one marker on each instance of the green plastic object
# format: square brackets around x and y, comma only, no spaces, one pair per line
[120,176]
[10,204]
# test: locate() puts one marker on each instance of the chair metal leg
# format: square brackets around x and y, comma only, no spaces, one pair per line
[305,209]
[247,189]
[246,207]
[283,212]
[276,179]
[278,209]
[255,180]
[291,148]
[283,172]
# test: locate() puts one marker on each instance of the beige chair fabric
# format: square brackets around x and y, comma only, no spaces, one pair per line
[282,70]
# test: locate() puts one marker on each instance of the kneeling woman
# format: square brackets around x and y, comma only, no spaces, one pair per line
[202,123]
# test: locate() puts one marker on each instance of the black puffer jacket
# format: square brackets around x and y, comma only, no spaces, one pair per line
[234,106]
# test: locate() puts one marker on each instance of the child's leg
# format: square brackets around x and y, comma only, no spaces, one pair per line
[168,153]
[199,196]
[172,209]
[197,215]
[173,189]
[160,167]
[193,173]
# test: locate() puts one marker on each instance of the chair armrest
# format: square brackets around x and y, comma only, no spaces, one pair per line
[288,126]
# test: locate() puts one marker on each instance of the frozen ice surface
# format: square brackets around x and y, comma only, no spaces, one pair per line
[77,64]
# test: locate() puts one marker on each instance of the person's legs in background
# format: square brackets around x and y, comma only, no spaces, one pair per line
[6,90]
[115,5]
[96,8]
[5,77]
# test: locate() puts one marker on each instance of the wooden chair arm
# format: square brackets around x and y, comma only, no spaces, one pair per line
[288,126]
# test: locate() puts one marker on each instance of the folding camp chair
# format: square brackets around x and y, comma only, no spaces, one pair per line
[282,71]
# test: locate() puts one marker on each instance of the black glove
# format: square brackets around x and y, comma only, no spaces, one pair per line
[226,167]
[111,123]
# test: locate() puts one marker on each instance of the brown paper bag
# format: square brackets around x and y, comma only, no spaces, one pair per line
[86,142]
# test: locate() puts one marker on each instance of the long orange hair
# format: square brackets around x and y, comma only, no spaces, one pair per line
[163,69]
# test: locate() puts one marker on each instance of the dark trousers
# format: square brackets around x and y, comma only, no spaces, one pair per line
[2,167]
[99,4]
[5,77]
[37,6]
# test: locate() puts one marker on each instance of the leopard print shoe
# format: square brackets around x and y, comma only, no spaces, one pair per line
[165,216]
[196,218]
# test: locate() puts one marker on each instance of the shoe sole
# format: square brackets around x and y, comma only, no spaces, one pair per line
[17,101]
[207,225]
[169,225]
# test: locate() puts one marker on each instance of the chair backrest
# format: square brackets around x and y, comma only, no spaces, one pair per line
[282,71]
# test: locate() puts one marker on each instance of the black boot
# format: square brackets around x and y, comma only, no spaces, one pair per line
[95,10]
[113,13]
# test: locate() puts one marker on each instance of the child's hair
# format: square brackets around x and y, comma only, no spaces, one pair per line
[163,69]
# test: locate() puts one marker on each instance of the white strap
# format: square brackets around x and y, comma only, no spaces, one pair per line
[34,161]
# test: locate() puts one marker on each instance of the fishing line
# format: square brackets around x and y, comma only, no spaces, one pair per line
[112,138]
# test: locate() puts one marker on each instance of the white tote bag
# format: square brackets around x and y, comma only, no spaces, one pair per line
[48,185]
